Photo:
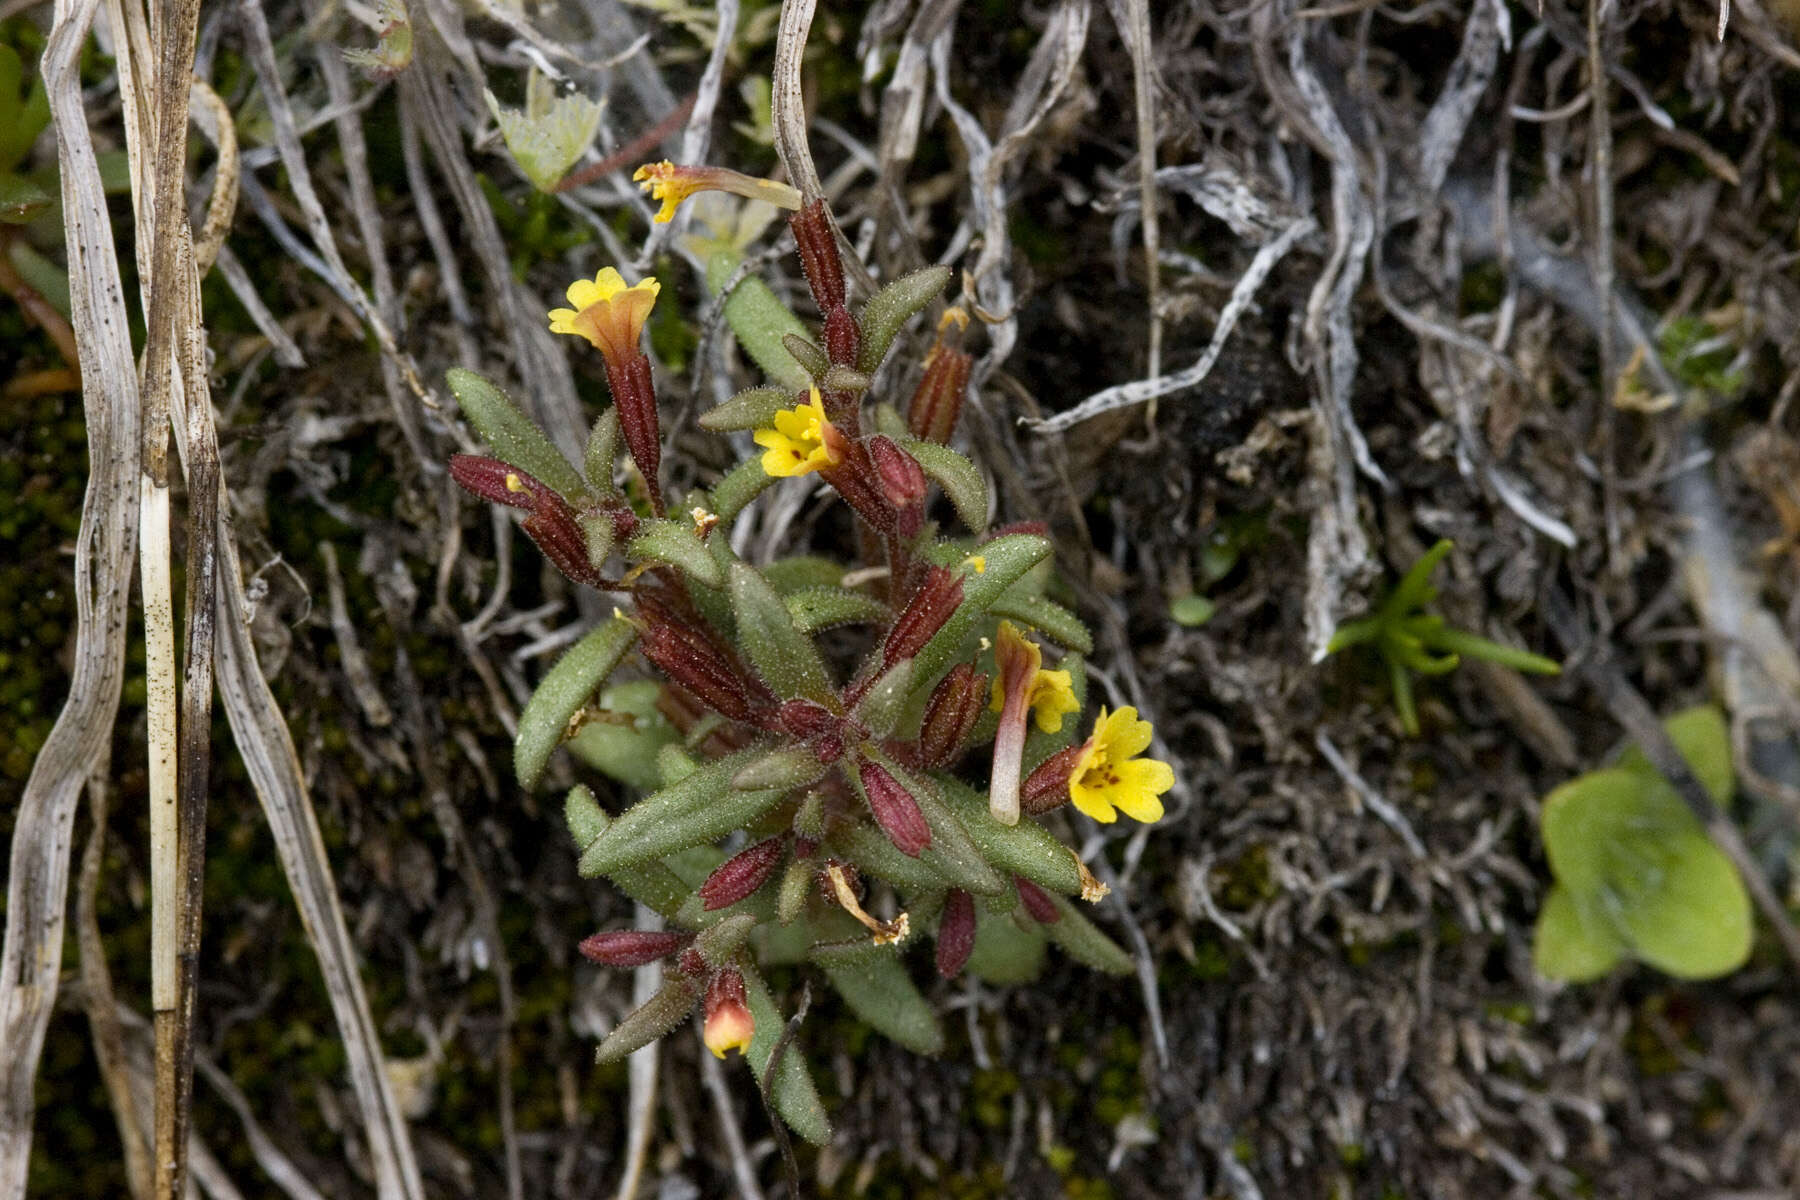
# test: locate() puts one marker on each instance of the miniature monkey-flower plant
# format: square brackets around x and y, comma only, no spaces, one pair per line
[814,802]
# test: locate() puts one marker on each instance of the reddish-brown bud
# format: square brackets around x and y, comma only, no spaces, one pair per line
[498,482]
[895,809]
[552,523]
[817,244]
[938,400]
[950,715]
[956,933]
[1037,901]
[902,479]
[678,639]
[931,605]
[742,873]
[632,947]
[1047,788]
[634,395]
[729,1025]
[841,336]
[806,719]
[692,964]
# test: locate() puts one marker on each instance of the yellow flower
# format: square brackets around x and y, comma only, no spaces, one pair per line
[672,184]
[799,444]
[1108,774]
[1049,693]
[607,312]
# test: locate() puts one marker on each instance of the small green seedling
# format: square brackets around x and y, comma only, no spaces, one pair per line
[1636,874]
[1410,639]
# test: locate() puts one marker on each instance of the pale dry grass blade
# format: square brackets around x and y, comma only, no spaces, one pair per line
[38,875]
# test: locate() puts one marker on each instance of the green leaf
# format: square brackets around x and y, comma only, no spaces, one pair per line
[702,807]
[565,689]
[650,884]
[626,751]
[889,309]
[960,479]
[753,408]
[796,1099]
[514,437]
[785,767]
[785,658]
[880,992]
[811,359]
[881,706]
[869,848]
[953,853]
[759,319]
[719,943]
[1006,558]
[1566,947]
[1085,943]
[603,453]
[1597,824]
[742,484]
[1704,740]
[676,542]
[1026,849]
[796,886]
[658,1015]
[1468,645]
[22,116]
[549,133]
[1692,919]
[1005,953]
[21,201]
[813,609]
[790,575]
[1046,617]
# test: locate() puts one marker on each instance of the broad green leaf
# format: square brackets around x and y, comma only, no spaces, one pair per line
[1597,827]
[514,437]
[1568,948]
[702,807]
[565,689]
[758,318]
[1704,740]
[549,133]
[880,992]
[1046,617]
[866,846]
[960,479]
[675,542]
[1084,942]
[1026,849]
[819,608]
[1003,561]
[658,1015]
[1194,610]
[953,852]
[796,1099]
[602,453]
[753,408]
[1004,952]
[1694,923]
[889,309]
[790,575]
[742,484]
[626,750]
[785,658]
[650,884]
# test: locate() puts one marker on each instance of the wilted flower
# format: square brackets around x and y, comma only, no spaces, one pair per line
[1108,775]
[1022,685]
[800,442]
[672,184]
[609,313]
[729,1024]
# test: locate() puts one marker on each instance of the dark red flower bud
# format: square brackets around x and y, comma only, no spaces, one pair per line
[931,605]
[1037,901]
[817,243]
[951,713]
[895,809]
[902,479]
[742,873]
[681,642]
[632,947]
[692,964]
[937,402]
[497,482]
[956,933]
[841,336]
[1047,787]
[806,719]
[634,395]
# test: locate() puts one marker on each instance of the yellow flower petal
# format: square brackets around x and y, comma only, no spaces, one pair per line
[1109,776]
[1051,697]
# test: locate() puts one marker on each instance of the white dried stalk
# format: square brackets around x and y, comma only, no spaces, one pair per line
[38,872]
